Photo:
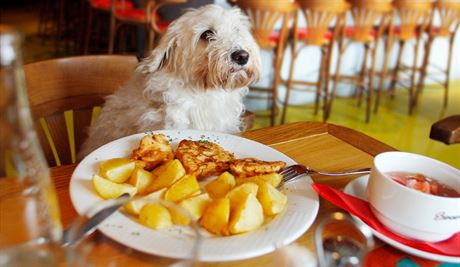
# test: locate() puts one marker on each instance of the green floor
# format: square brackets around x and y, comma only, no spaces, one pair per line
[392,124]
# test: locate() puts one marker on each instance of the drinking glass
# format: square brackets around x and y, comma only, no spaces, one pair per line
[340,241]
[30,228]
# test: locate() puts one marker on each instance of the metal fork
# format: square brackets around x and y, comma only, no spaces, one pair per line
[294,172]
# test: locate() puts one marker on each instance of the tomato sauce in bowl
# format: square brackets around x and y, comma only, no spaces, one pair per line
[423,184]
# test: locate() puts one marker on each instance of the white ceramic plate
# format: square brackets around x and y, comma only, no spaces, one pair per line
[301,210]
[357,188]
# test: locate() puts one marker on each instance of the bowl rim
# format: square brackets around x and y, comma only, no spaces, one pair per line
[443,164]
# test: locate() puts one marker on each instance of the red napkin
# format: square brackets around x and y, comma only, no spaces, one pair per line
[361,209]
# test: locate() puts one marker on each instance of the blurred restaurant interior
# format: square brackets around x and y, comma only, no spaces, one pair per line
[380,67]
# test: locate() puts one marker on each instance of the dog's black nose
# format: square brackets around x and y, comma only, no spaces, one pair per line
[240,57]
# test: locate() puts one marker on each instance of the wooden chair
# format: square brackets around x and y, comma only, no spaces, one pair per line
[146,17]
[264,16]
[449,16]
[370,18]
[158,24]
[414,19]
[101,7]
[320,17]
[64,96]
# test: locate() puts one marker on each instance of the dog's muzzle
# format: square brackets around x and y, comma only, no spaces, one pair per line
[240,57]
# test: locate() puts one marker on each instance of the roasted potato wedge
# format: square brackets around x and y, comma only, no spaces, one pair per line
[110,190]
[246,214]
[155,216]
[272,200]
[272,178]
[141,179]
[220,186]
[216,216]
[182,189]
[135,206]
[117,170]
[166,175]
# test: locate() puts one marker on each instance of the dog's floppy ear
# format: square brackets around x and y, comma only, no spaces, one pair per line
[160,56]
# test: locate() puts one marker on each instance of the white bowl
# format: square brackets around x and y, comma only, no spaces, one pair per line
[406,211]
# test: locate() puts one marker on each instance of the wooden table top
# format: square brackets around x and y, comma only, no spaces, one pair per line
[321,146]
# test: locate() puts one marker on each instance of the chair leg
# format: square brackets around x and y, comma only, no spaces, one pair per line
[319,84]
[289,83]
[150,40]
[383,74]
[276,81]
[371,81]
[412,95]
[362,75]
[394,77]
[327,97]
[449,64]
[88,29]
[112,33]
[336,80]
[424,67]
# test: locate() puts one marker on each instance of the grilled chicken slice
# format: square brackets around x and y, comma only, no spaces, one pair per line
[248,167]
[203,158]
[153,151]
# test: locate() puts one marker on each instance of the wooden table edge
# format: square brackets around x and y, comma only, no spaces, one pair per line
[285,133]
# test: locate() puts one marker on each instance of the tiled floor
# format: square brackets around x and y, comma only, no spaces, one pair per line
[391,125]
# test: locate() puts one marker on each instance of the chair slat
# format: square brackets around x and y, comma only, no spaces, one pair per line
[68,117]
[94,114]
[9,169]
[58,129]
[82,121]
[51,147]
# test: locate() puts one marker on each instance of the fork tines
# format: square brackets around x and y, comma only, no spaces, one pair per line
[290,173]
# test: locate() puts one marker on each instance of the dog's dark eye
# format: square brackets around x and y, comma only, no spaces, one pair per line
[207,35]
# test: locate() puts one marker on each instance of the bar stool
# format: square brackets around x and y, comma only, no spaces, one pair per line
[132,16]
[449,22]
[146,17]
[414,19]
[370,18]
[264,16]
[320,17]
[103,7]
[159,25]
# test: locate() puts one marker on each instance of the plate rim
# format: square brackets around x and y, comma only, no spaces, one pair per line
[304,183]
[413,251]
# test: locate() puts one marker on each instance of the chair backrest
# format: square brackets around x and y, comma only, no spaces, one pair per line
[65,95]
[264,16]
[320,16]
[366,14]
[414,16]
[153,17]
[449,15]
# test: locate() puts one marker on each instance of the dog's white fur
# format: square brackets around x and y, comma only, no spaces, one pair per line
[187,83]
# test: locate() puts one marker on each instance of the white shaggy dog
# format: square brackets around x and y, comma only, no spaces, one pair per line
[195,79]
